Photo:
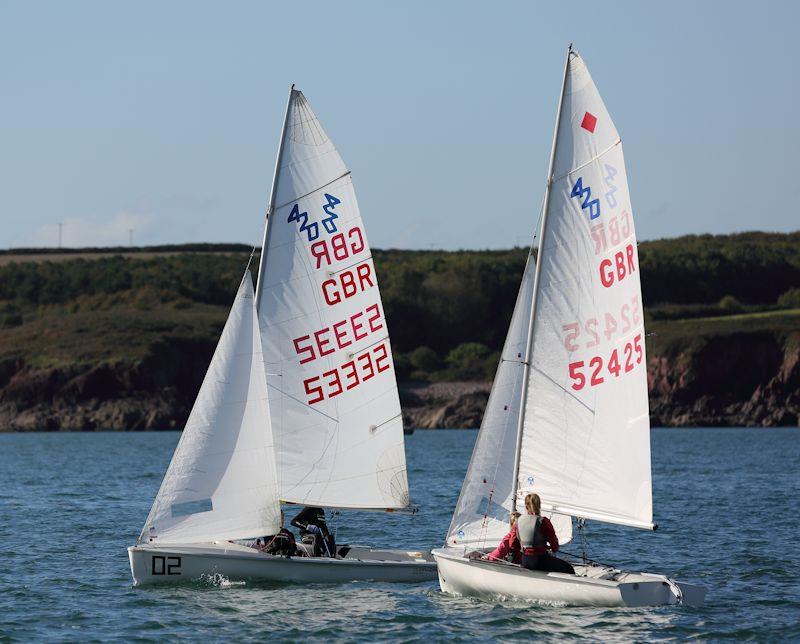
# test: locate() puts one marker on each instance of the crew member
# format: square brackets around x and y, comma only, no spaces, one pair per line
[509,545]
[313,529]
[283,543]
[536,536]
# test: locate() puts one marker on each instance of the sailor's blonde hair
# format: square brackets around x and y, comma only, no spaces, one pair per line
[533,503]
[512,519]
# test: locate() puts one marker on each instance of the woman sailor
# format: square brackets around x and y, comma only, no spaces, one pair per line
[509,545]
[537,536]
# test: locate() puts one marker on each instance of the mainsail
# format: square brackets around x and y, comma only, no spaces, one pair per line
[585,444]
[221,482]
[578,430]
[333,400]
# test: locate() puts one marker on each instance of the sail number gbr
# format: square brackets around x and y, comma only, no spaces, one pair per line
[350,375]
[598,370]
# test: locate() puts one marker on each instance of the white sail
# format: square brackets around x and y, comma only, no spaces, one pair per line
[483,508]
[332,390]
[221,482]
[586,439]
[486,501]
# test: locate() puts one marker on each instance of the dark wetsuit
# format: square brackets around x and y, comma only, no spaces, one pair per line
[534,549]
[282,543]
[311,523]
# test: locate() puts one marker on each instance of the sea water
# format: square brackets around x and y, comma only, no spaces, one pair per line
[70,504]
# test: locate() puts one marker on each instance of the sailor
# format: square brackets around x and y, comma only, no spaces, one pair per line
[283,543]
[313,529]
[509,545]
[536,536]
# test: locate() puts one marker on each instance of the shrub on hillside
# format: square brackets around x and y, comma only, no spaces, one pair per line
[425,359]
[730,304]
[468,361]
[790,299]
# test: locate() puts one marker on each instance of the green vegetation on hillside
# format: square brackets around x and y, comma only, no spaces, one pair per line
[448,311]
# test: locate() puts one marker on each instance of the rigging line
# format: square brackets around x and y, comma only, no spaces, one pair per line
[322,413]
[592,160]
[249,261]
[385,422]
[535,368]
[369,346]
[586,559]
[538,221]
[311,192]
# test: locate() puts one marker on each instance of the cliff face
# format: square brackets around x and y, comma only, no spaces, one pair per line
[155,393]
[444,405]
[738,380]
[750,379]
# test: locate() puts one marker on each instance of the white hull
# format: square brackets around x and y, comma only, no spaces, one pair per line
[591,586]
[159,564]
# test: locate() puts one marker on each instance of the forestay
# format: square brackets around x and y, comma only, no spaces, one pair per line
[333,396]
[221,482]
[586,443]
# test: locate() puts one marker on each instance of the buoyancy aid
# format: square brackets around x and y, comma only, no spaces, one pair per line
[529,529]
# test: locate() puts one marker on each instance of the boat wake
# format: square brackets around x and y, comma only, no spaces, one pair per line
[218,580]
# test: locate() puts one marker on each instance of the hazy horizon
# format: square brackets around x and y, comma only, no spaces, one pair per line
[164,119]
[382,248]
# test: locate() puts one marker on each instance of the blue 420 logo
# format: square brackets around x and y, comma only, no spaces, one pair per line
[312,229]
[593,205]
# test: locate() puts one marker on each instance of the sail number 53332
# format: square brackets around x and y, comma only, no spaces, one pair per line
[597,370]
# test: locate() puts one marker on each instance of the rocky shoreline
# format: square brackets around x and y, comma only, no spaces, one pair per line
[756,385]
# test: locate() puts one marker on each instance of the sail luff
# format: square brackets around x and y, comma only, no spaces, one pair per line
[262,260]
[532,320]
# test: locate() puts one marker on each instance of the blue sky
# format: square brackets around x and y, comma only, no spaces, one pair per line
[164,116]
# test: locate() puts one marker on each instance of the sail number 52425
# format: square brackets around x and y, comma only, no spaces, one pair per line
[596,372]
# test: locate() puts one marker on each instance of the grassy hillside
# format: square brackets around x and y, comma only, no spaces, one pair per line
[448,311]
[121,338]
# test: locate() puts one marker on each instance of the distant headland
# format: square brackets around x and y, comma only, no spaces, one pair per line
[120,338]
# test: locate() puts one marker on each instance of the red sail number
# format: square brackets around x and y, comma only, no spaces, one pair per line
[616,365]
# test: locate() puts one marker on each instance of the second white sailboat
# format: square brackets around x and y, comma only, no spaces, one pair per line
[568,413]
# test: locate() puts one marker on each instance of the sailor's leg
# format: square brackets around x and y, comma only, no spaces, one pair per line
[553,564]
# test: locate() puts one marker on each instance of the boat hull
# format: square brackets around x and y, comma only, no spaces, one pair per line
[164,564]
[592,586]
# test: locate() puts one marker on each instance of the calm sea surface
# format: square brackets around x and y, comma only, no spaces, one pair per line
[726,499]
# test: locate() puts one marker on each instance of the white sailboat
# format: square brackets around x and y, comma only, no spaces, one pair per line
[300,402]
[568,415]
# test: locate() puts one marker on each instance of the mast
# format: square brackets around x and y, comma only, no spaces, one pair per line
[262,260]
[532,320]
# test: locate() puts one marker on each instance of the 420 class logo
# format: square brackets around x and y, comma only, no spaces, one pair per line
[585,193]
[312,229]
